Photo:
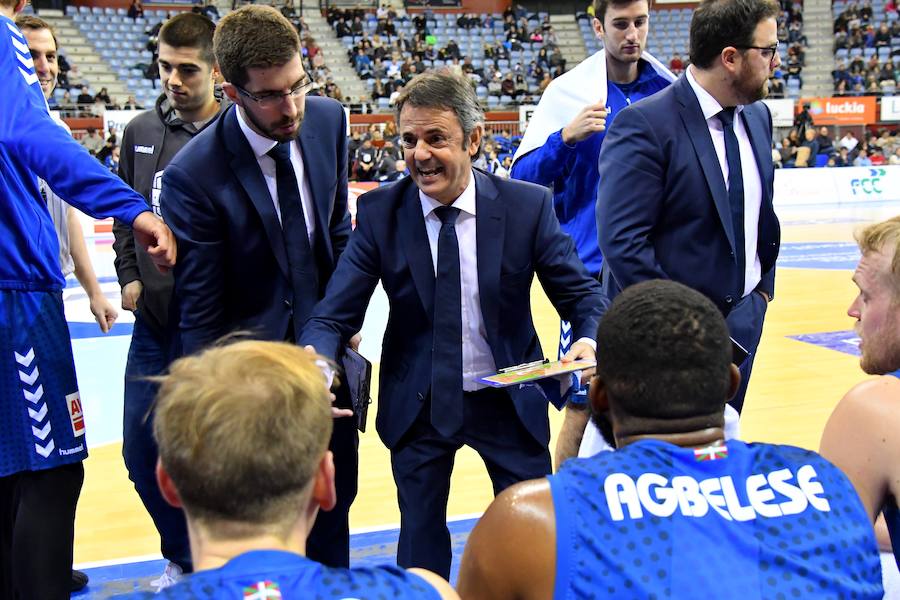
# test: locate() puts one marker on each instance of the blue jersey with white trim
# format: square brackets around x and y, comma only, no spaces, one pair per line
[32,145]
[733,520]
[274,575]
[892,513]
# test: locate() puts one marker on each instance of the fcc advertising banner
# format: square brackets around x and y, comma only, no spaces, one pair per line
[858,110]
[832,185]
[890,108]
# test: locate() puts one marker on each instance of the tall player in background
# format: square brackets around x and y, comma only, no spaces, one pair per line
[563,139]
[42,440]
[73,252]
[188,104]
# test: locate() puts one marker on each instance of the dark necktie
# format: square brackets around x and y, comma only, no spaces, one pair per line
[446,347]
[296,238]
[735,190]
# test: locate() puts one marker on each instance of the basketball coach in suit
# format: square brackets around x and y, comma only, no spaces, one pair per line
[259,202]
[687,175]
[456,251]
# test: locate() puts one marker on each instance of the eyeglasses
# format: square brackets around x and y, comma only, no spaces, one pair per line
[273,99]
[765,51]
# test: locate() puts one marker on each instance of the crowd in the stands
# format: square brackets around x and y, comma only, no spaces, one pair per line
[517,64]
[866,45]
[806,145]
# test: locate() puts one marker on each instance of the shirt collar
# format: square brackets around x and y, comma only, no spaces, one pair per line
[708,105]
[260,144]
[465,202]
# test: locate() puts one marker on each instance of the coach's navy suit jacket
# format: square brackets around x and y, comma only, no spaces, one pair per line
[517,236]
[232,271]
[662,207]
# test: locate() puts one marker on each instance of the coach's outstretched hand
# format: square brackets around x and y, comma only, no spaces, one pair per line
[156,237]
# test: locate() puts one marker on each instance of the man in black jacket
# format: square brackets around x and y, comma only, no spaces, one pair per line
[187,72]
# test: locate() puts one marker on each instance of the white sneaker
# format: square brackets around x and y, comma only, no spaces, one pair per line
[169,577]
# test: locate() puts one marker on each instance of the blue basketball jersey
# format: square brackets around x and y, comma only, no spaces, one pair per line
[274,575]
[731,520]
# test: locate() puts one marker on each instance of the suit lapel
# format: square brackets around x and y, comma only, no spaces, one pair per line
[414,240]
[490,216]
[246,169]
[319,179]
[697,131]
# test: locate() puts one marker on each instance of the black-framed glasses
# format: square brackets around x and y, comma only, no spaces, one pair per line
[273,99]
[765,51]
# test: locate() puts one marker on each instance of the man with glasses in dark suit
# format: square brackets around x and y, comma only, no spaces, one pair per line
[260,202]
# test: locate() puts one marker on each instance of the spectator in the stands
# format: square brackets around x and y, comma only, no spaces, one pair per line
[810,142]
[895,157]
[862,159]
[842,158]
[786,153]
[136,9]
[366,158]
[342,28]
[776,87]
[451,50]
[132,104]
[826,145]
[85,96]
[92,141]
[363,64]
[877,157]
[676,65]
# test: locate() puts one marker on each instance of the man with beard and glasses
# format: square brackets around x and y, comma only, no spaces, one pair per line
[861,435]
[456,250]
[188,104]
[259,202]
[692,196]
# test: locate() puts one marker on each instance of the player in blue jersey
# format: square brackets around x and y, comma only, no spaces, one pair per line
[42,429]
[562,144]
[861,436]
[243,434]
[675,511]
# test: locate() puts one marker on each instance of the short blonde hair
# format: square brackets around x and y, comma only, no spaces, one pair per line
[884,237]
[241,430]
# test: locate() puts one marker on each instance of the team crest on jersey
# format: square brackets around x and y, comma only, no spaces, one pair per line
[76,415]
[262,590]
[715,451]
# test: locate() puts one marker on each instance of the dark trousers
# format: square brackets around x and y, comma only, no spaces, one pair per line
[423,460]
[150,354]
[37,532]
[745,324]
[329,540]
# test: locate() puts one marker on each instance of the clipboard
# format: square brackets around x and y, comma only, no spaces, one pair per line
[358,376]
[532,372]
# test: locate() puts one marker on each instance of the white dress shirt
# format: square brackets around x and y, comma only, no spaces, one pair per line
[261,145]
[749,169]
[476,352]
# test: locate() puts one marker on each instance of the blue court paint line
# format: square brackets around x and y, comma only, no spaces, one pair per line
[841,341]
[71,282]
[79,330]
[366,550]
[819,255]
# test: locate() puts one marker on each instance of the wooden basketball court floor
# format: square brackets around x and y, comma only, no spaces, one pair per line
[795,384]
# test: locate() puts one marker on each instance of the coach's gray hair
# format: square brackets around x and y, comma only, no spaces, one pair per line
[444,89]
